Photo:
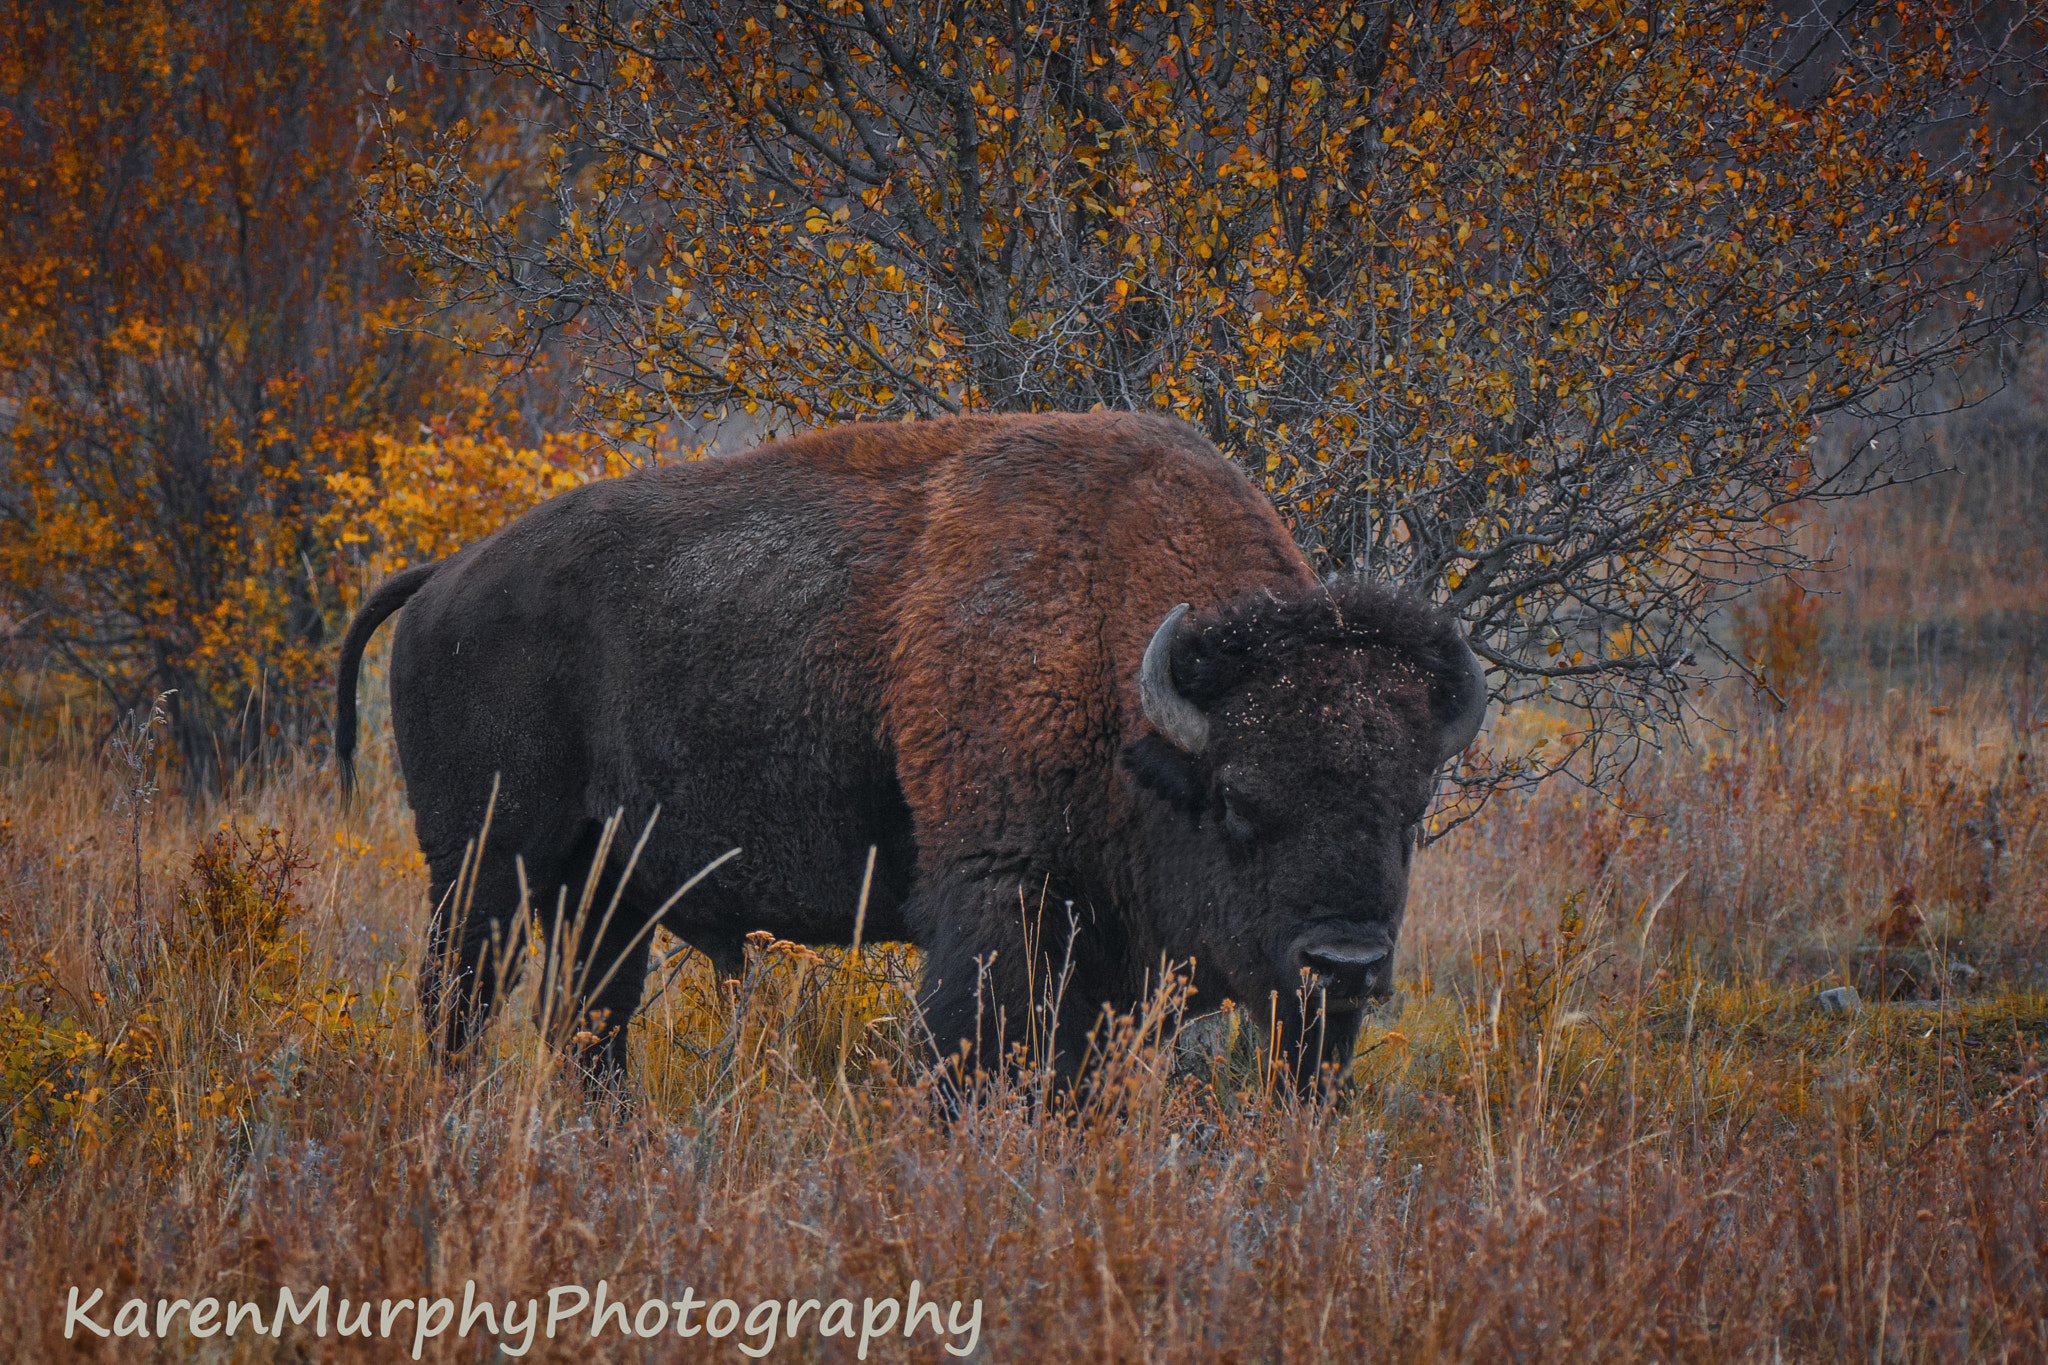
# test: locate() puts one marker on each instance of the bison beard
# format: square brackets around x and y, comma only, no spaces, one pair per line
[961,642]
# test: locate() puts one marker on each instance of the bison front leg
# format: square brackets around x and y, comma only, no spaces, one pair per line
[1005,986]
[1314,1044]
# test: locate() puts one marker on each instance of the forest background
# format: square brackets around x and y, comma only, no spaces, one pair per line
[1541,312]
[1608,325]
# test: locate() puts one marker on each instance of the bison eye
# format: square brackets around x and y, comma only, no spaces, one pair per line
[1235,823]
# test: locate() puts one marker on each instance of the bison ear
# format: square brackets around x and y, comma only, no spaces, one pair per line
[1167,771]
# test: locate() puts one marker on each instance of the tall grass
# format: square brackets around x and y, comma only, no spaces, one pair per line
[1605,1120]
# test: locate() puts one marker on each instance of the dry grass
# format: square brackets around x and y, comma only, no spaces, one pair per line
[1606,1119]
[1607,1122]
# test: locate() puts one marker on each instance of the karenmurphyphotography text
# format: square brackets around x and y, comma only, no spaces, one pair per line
[570,1308]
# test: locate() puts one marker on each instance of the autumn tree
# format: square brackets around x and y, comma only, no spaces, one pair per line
[1537,307]
[193,344]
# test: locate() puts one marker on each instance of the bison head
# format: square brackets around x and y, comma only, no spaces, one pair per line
[1294,749]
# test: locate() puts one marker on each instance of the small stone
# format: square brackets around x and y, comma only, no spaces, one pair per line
[1839,1000]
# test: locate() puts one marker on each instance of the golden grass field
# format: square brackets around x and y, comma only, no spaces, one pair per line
[1606,1119]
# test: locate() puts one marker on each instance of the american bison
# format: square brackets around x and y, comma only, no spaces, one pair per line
[966,643]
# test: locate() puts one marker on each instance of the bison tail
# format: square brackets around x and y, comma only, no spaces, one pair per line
[391,594]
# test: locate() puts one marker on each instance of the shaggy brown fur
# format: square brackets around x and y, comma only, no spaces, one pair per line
[927,638]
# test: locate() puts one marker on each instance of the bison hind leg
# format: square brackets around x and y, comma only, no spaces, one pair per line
[599,938]
[475,946]
[608,981]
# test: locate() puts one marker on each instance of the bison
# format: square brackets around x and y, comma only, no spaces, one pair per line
[967,644]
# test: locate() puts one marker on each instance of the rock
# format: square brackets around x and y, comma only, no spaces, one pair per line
[1839,1000]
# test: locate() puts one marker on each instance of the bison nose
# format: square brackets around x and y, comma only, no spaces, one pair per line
[1351,972]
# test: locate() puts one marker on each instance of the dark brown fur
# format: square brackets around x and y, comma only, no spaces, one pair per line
[926,638]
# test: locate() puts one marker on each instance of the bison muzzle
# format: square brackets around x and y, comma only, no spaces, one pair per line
[968,644]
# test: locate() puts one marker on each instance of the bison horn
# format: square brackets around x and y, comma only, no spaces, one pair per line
[1463,727]
[1170,713]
